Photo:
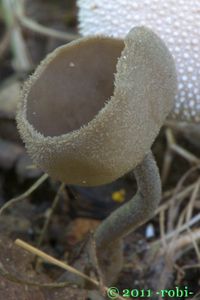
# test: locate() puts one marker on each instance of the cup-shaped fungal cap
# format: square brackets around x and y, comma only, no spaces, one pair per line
[93,108]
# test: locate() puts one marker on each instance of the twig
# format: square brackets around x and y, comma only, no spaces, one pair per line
[192,201]
[180,150]
[162,228]
[168,193]
[196,248]
[171,248]
[25,194]
[185,154]
[184,227]
[49,215]
[176,197]
[185,176]
[48,219]
[187,212]
[173,147]
[172,209]
[43,30]
[169,253]
[168,157]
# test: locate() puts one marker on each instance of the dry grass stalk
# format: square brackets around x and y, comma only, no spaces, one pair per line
[175,206]
[50,214]
[24,195]
[58,263]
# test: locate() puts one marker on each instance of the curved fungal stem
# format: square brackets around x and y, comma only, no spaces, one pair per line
[138,210]
[108,236]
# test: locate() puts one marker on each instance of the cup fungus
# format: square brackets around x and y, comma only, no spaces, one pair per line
[91,112]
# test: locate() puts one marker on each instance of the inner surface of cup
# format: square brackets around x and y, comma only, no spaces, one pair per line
[74,86]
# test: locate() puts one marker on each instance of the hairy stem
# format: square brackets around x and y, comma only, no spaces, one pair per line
[108,236]
[138,210]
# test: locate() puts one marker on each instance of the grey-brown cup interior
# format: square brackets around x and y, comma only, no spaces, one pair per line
[73,86]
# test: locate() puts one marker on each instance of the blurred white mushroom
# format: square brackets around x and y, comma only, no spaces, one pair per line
[176,22]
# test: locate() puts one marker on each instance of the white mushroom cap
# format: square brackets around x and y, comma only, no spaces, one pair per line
[177,22]
[93,108]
